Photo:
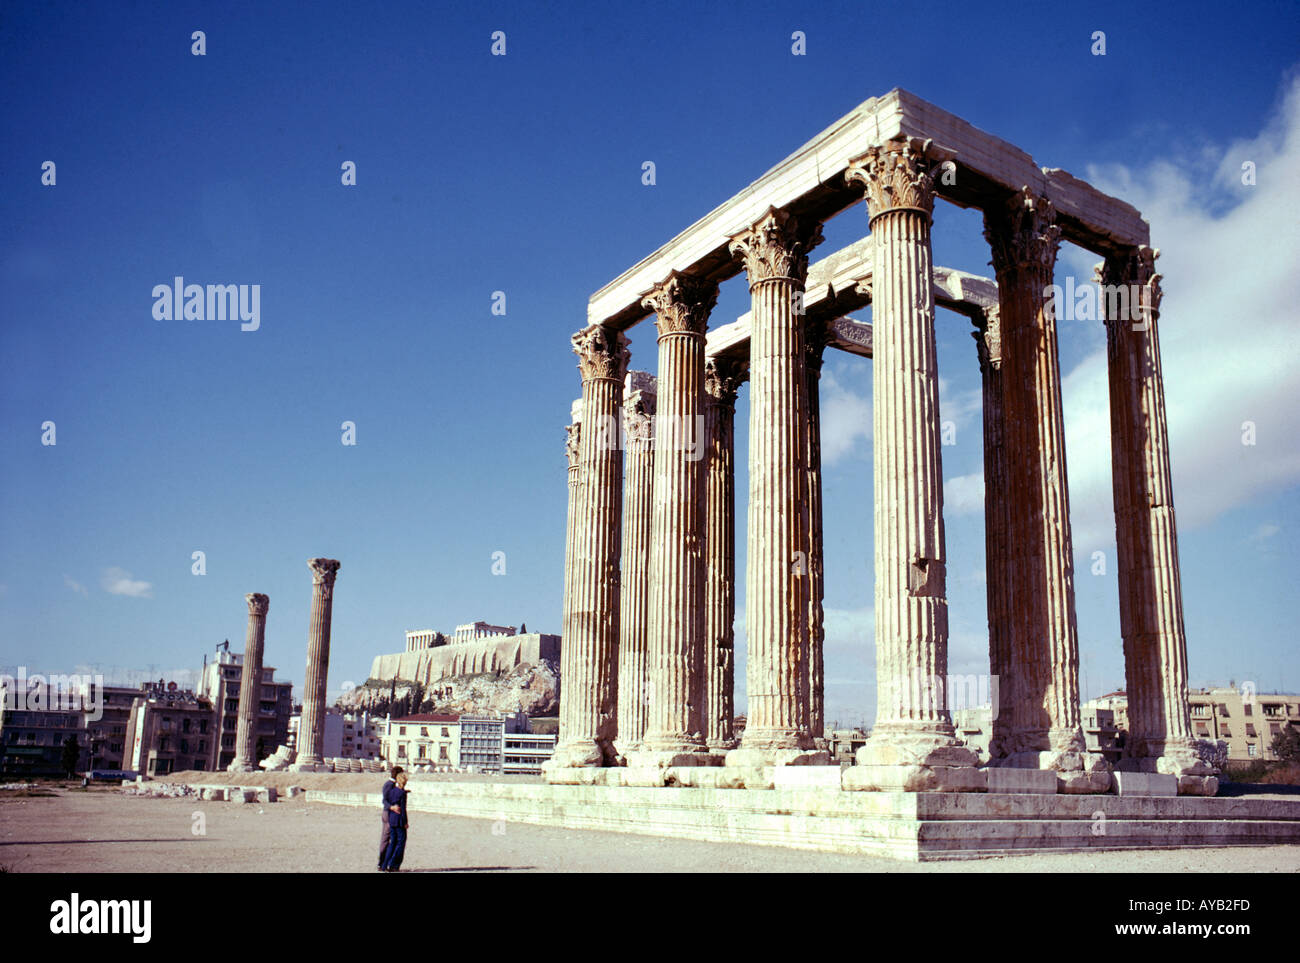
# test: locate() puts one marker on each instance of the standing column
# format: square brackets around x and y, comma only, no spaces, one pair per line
[589,652]
[912,746]
[1150,586]
[997,561]
[775,254]
[817,335]
[311,728]
[1044,646]
[721,383]
[675,643]
[250,685]
[634,607]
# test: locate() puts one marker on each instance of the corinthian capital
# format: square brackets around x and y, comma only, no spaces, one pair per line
[1137,266]
[602,353]
[323,570]
[988,338]
[776,246]
[682,304]
[572,440]
[898,175]
[722,380]
[257,603]
[1022,232]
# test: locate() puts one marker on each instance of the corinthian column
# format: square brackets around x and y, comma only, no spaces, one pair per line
[311,728]
[634,607]
[1044,644]
[589,653]
[817,337]
[675,643]
[912,746]
[1146,537]
[722,380]
[775,254]
[250,685]
[997,567]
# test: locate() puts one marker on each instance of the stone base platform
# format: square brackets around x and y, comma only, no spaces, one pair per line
[901,825]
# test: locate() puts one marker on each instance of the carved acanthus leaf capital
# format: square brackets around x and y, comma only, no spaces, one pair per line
[1136,267]
[899,174]
[777,246]
[638,420]
[257,603]
[988,338]
[682,304]
[1023,233]
[602,353]
[323,570]
[722,380]
[572,442]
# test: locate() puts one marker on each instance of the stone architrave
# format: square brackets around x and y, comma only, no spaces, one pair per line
[816,338]
[311,728]
[997,570]
[674,733]
[912,746]
[250,685]
[775,254]
[722,380]
[1146,536]
[634,607]
[589,655]
[1047,733]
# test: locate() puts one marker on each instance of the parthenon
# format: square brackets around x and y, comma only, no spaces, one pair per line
[647,662]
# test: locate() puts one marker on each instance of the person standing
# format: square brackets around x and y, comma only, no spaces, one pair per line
[395,799]
[383,816]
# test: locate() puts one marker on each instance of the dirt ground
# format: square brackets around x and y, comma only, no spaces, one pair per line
[69,830]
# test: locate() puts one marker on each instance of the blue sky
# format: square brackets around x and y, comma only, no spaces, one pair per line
[522,174]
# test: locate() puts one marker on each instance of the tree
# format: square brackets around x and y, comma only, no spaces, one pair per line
[1213,752]
[1286,744]
[71,753]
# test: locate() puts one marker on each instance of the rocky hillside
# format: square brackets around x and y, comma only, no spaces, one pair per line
[533,688]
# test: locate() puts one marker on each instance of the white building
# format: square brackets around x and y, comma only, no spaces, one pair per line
[474,631]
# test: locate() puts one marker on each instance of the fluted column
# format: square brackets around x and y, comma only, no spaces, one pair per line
[997,568]
[311,728]
[1046,732]
[722,380]
[1146,537]
[675,643]
[589,653]
[250,685]
[912,746]
[775,254]
[634,607]
[815,342]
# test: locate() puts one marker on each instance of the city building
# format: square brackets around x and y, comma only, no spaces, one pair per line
[1104,725]
[424,739]
[169,730]
[844,743]
[32,733]
[347,735]
[482,741]
[974,726]
[524,752]
[219,684]
[106,736]
[1246,720]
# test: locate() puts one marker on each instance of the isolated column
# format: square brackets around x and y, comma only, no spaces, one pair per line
[1150,585]
[634,607]
[815,342]
[311,728]
[589,654]
[250,685]
[775,255]
[912,746]
[997,559]
[722,381]
[1047,734]
[675,644]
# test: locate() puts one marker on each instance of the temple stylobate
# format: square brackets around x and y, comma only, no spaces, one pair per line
[650,584]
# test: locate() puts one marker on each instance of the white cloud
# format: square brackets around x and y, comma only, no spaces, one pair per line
[118,581]
[1265,532]
[73,584]
[845,417]
[1229,340]
[963,495]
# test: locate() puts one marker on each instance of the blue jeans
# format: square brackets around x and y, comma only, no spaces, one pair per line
[396,848]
